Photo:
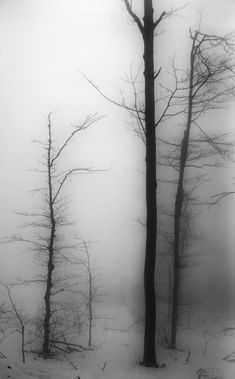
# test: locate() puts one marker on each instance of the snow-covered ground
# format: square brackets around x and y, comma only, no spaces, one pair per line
[117,354]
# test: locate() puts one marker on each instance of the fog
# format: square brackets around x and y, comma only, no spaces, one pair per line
[44,46]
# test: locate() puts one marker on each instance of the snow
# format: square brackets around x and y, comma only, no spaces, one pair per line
[117,354]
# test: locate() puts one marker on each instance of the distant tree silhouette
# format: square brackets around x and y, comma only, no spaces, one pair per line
[208,84]
[91,293]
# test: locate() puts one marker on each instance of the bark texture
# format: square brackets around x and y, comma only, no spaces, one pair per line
[147,31]
[149,358]
[50,264]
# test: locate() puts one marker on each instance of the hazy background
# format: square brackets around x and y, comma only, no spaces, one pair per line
[42,46]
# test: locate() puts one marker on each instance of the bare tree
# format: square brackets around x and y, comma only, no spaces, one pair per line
[145,127]
[54,215]
[208,84]
[145,124]
[148,122]
[49,222]
[91,294]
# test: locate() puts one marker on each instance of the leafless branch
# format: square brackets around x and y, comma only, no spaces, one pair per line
[134,16]
[166,14]
[69,173]
[219,196]
[121,105]
[91,119]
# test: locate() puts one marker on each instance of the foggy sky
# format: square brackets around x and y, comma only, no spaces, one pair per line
[42,46]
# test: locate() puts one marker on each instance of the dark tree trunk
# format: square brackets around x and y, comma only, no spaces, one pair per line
[23,342]
[90,302]
[149,358]
[47,299]
[147,31]
[54,215]
[50,264]
[178,205]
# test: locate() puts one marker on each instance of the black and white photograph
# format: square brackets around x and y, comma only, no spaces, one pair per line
[117,206]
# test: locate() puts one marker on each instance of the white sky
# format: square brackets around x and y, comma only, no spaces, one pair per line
[42,45]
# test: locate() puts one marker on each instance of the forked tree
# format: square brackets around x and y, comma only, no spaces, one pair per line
[208,84]
[49,243]
[148,122]
[54,212]
[206,154]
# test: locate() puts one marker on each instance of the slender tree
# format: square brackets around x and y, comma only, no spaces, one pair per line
[55,213]
[207,85]
[49,222]
[147,29]
[145,123]
[91,293]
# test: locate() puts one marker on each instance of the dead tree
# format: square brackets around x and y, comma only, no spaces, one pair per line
[208,84]
[55,184]
[50,221]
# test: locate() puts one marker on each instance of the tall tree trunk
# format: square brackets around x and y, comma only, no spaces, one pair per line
[179,203]
[147,31]
[23,342]
[90,301]
[50,264]
[149,358]
[47,299]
